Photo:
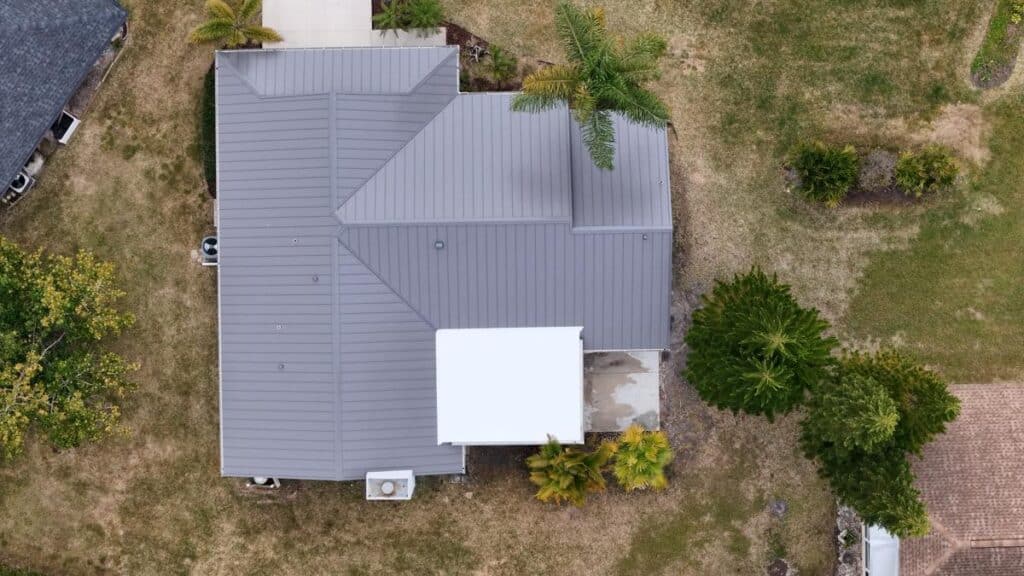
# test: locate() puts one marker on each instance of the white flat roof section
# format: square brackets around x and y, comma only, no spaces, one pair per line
[509,386]
[881,552]
[335,24]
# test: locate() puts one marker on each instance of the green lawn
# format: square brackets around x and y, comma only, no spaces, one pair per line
[956,294]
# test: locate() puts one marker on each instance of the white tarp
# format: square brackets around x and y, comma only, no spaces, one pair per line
[335,24]
[509,386]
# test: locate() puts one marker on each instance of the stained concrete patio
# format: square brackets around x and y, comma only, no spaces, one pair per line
[620,389]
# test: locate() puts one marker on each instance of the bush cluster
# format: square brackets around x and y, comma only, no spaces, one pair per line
[568,474]
[827,173]
[925,172]
[753,349]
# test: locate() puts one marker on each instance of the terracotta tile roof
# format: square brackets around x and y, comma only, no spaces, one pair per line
[971,481]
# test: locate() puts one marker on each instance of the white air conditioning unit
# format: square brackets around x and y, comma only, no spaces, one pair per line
[390,485]
[65,127]
[17,189]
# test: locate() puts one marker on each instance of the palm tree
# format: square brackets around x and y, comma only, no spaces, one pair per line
[233,28]
[604,75]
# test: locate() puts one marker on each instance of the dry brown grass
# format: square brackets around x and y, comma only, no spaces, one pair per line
[130,188]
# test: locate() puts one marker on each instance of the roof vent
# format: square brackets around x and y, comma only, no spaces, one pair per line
[390,485]
[439,244]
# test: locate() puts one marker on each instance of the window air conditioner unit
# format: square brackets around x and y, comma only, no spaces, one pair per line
[65,127]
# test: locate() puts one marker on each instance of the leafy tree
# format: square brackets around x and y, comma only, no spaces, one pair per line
[640,459]
[603,75]
[862,423]
[503,65]
[233,28]
[928,171]
[754,349]
[826,173]
[566,474]
[54,314]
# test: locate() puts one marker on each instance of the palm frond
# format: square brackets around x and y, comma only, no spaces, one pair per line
[214,30]
[581,32]
[583,103]
[533,103]
[237,39]
[639,59]
[261,34]
[220,9]
[554,82]
[599,138]
[637,104]
[249,10]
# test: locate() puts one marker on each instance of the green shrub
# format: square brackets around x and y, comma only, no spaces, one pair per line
[826,173]
[640,459]
[753,349]
[503,66]
[566,474]
[928,171]
[423,15]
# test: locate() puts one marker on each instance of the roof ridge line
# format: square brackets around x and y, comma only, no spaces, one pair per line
[391,158]
[480,222]
[384,282]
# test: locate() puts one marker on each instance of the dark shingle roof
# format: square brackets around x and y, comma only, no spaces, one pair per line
[970,479]
[46,49]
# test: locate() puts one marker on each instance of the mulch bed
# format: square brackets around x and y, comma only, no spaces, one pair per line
[890,195]
[991,77]
[486,462]
[475,75]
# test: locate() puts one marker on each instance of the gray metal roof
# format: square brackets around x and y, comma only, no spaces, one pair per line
[46,49]
[339,170]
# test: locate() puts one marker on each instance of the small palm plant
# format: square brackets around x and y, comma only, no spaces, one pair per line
[640,459]
[603,75]
[566,474]
[425,16]
[233,28]
[503,65]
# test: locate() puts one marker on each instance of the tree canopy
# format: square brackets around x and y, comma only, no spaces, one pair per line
[863,422]
[55,312]
[754,349]
[602,75]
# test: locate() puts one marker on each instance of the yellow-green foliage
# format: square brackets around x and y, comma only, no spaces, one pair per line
[566,474]
[928,171]
[640,459]
[54,311]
